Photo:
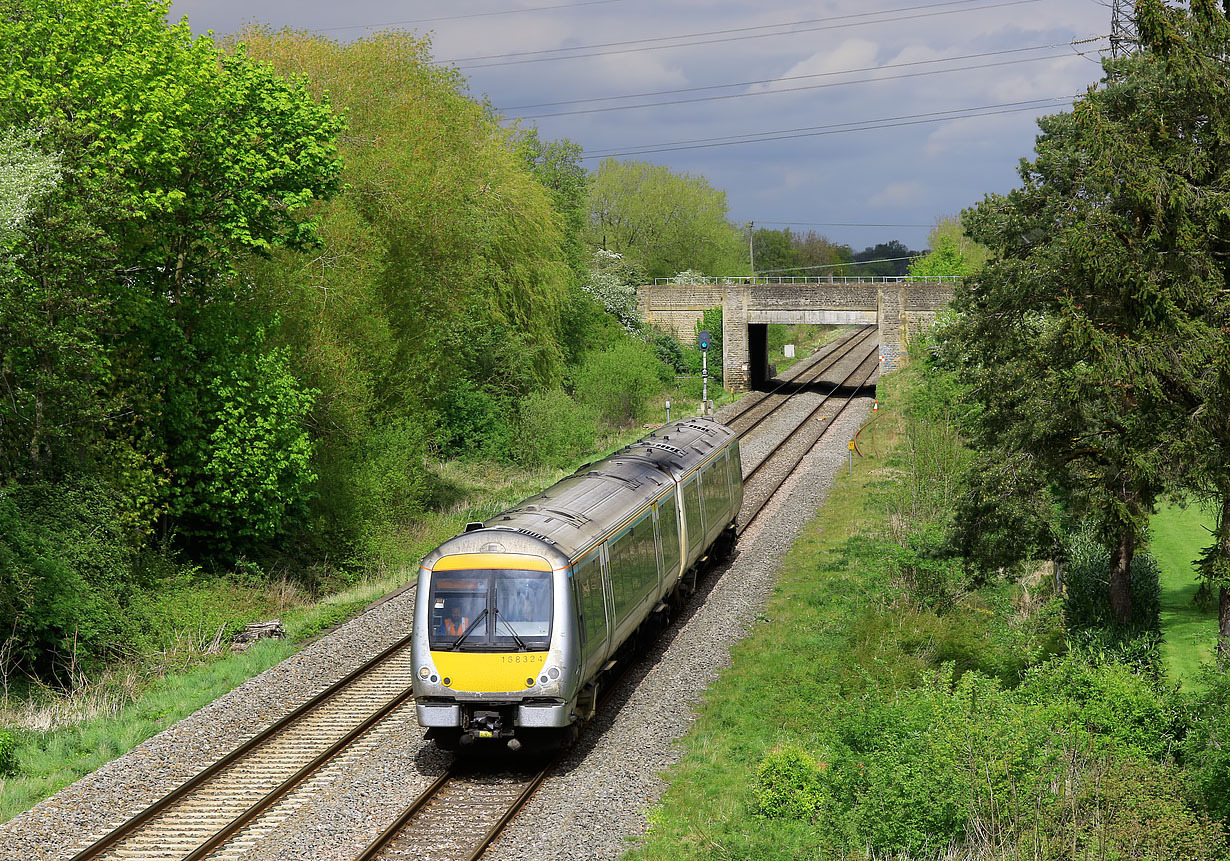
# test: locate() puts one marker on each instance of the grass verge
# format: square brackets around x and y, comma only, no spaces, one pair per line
[1189,631]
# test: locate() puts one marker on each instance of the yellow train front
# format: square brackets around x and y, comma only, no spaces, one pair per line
[519,619]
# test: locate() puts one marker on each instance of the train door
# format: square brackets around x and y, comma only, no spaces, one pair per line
[590,590]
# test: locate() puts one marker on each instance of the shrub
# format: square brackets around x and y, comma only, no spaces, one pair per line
[1107,705]
[1206,750]
[617,382]
[1087,590]
[1092,628]
[552,429]
[788,785]
[8,753]
[669,352]
[65,566]
[243,462]
[472,423]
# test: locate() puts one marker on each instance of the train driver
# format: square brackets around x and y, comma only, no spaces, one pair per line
[455,623]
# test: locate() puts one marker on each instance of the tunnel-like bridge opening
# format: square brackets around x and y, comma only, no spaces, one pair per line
[768,362]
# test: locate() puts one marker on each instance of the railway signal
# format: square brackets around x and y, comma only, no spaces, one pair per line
[703,340]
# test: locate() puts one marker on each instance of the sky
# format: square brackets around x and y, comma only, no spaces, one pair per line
[863,120]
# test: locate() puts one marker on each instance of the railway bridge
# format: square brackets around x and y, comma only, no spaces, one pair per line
[898,306]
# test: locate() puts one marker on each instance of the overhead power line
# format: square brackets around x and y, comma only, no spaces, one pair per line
[834,128]
[556,7]
[744,32]
[681,90]
[831,85]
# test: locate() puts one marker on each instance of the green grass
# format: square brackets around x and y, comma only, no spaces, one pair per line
[50,761]
[1190,632]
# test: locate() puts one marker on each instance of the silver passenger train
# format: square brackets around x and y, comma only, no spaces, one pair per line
[519,619]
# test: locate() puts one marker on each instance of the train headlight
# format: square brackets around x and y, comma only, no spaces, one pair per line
[424,672]
[553,673]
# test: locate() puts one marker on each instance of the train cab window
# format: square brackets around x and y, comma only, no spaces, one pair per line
[491,610]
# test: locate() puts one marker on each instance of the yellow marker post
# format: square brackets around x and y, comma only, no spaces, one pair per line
[850,445]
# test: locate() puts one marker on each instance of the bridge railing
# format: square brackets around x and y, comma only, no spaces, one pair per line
[724,280]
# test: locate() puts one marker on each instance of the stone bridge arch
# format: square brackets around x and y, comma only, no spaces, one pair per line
[898,306]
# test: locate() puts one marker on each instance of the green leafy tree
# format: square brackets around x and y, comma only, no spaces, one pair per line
[885,259]
[821,256]
[617,382]
[951,252]
[664,221]
[446,290]
[1091,331]
[775,252]
[183,160]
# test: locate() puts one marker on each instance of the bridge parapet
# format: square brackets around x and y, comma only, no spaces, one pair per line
[898,305]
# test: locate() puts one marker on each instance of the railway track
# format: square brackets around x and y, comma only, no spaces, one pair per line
[231,800]
[785,456]
[753,409]
[224,810]
[457,817]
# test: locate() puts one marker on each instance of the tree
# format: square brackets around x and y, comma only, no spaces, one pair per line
[663,221]
[439,300]
[950,252]
[775,252]
[557,165]
[1090,333]
[886,259]
[26,174]
[821,256]
[179,161]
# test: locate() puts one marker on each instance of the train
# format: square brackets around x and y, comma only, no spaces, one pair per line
[521,619]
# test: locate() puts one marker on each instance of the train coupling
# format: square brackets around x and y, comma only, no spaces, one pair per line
[486,725]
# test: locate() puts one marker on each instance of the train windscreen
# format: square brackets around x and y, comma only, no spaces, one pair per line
[491,610]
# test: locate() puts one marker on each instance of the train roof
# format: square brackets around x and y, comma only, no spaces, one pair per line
[570,514]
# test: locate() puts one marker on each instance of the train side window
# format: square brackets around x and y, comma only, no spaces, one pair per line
[646,559]
[711,508]
[691,505]
[668,529]
[622,571]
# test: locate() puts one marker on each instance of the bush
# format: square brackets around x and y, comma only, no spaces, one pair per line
[8,753]
[65,568]
[788,785]
[552,429]
[472,423]
[1206,750]
[1108,705]
[243,462]
[617,382]
[669,352]
[1092,629]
